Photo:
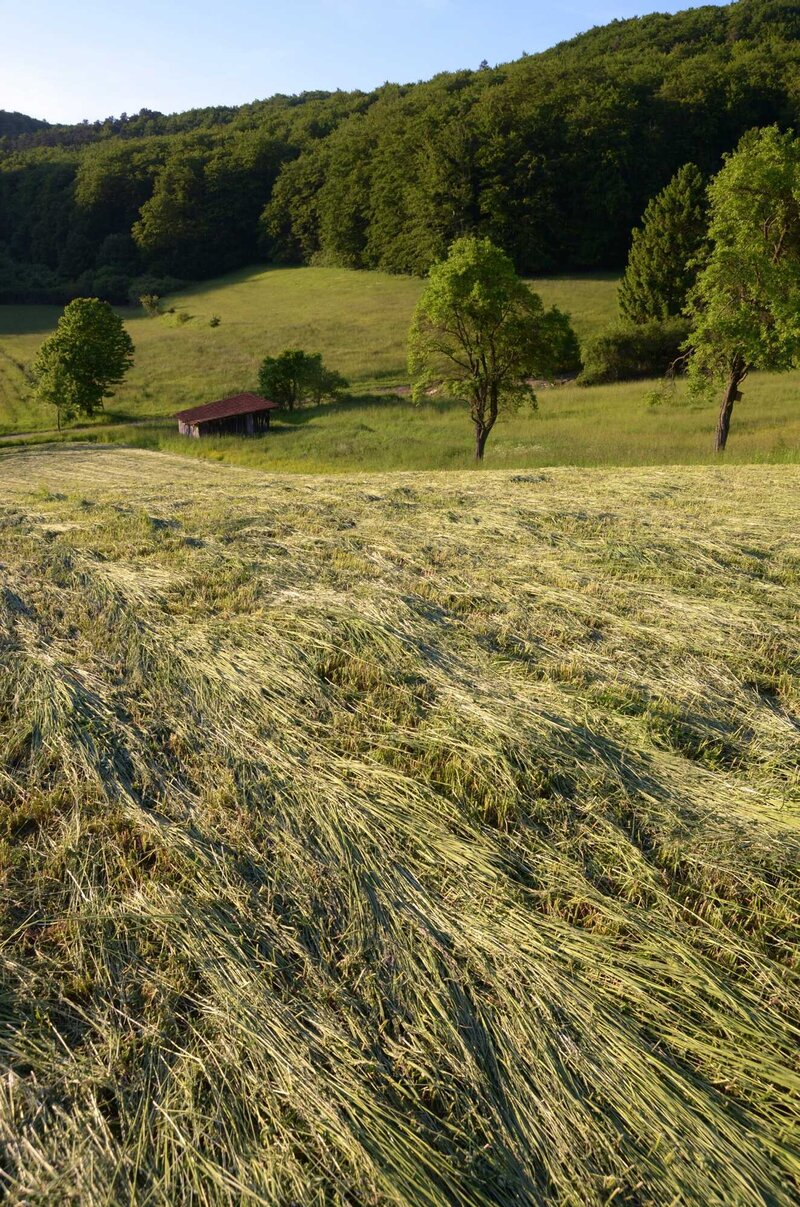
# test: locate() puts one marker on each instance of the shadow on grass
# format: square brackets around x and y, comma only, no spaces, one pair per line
[113,415]
[29,319]
[354,403]
[249,275]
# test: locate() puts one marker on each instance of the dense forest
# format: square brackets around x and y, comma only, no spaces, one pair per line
[554,157]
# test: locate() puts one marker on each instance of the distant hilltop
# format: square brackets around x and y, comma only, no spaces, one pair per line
[14,124]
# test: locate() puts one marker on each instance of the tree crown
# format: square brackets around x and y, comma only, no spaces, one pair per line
[746,304]
[86,356]
[295,376]
[478,328]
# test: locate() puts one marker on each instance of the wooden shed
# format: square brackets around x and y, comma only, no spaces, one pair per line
[240,415]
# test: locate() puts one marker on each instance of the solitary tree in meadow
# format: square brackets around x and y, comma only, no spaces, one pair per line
[745,308]
[86,356]
[665,249]
[480,334]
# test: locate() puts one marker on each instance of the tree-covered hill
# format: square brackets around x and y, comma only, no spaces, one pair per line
[14,125]
[554,156]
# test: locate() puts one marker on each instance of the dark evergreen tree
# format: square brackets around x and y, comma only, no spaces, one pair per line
[664,258]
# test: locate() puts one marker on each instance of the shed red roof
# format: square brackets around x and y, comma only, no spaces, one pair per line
[239,404]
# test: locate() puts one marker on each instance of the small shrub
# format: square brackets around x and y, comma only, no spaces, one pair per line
[151,304]
[629,351]
[182,317]
[214,321]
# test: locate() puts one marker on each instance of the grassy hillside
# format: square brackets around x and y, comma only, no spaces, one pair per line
[358,320]
[395,840]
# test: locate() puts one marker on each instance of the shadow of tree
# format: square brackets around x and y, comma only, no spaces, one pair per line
[354,403]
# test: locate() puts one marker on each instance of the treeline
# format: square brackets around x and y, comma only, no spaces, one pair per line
[554,157]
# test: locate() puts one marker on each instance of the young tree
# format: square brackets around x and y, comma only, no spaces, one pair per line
[295,377]
[745,308]
[479,334]
[663,260]
[88,353]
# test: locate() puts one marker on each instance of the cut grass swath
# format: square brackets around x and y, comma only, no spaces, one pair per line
[380,841]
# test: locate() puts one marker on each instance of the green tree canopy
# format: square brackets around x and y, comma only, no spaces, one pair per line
[745,308]
[479,334]
[294,377]
[663,260]
[553,157]
[86,356]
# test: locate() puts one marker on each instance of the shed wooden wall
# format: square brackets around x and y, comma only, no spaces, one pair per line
[231,425]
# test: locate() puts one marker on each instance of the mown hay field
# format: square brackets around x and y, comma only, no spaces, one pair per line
[398,840]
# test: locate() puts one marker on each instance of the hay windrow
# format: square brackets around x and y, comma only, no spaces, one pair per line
[398,840]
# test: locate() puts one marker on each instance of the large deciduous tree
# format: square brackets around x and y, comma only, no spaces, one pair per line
[664,257]
[745,308]
[86,356]
[480,334]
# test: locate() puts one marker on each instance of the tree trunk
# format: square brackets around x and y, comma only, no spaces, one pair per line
[484,416]
[732,394]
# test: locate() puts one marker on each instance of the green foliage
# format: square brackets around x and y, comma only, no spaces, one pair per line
[13,124]
[295,377]
[151,304]
[745,310]
[214,321]
[479,333]
[629,351]
[553,157]
[666,251]
[87,355]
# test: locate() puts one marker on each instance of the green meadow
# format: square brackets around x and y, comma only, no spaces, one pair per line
[359,321]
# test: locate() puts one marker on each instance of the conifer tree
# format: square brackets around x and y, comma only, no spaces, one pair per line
[662,264]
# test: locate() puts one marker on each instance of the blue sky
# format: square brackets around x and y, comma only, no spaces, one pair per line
[72,59]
